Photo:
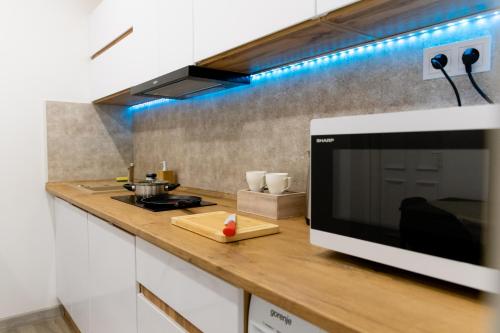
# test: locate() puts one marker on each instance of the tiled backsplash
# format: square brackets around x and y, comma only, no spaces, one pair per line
[211,141]
[87,142]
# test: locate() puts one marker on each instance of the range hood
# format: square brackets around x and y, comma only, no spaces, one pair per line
[188,82]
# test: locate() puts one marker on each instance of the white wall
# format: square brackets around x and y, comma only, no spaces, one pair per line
[43,56]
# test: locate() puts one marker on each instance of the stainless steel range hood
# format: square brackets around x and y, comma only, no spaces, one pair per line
[188,82]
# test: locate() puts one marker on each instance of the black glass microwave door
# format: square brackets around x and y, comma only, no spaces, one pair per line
[425,192]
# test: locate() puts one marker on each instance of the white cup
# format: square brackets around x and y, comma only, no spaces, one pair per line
[278,183]
[256,180]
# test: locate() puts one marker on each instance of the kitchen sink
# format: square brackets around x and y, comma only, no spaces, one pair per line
[103,188]
[100,186]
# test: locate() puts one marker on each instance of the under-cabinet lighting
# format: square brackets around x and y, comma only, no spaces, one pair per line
[350,52]
[156,102]
[379,44]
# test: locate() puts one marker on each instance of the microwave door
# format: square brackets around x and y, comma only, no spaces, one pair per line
[424,192]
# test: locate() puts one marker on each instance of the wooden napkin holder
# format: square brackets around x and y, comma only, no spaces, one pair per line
[274,206]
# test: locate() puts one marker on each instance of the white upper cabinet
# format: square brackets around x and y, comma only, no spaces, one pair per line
[220,25]
[170,34]
[175,28]
[130,61]
[325,6]
[161,41]
[109,20]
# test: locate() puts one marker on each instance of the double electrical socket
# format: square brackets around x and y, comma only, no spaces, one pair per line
[454,53]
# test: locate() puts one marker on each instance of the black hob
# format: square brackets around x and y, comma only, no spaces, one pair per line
[164,202]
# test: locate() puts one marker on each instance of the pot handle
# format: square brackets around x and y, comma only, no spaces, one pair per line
[171,187]
[130,187]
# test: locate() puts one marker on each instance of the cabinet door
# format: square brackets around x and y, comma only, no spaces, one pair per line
[175,33]
[112,278]
[63,271]
[132,60]
[220,25]
[161,42]
[151,319]
[325,6]
[72,262]
[108,20]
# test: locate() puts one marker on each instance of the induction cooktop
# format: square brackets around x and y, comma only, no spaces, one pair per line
[164,202]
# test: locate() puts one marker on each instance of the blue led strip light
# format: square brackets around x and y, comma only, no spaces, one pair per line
[156,102]
[373,45]
[349,52]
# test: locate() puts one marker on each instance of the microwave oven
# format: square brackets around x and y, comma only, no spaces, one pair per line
[408,189]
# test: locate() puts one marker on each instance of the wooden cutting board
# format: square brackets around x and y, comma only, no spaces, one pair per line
[211,224]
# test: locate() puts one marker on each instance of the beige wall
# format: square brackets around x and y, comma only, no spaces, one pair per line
[44,57]
[87,142]
[211,141]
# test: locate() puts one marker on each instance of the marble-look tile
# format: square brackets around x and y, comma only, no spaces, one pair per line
[87,142]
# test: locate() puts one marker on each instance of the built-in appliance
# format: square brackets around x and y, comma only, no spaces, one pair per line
[190,81]
[265,317]
[164,202]
[408,189]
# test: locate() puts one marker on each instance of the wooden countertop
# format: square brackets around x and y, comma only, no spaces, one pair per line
[336,292]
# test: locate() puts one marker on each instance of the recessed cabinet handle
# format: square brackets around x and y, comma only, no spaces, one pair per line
[112,43]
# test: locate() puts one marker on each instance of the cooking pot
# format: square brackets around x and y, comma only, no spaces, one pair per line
[150,187]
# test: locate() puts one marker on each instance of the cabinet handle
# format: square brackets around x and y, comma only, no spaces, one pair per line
[112,43]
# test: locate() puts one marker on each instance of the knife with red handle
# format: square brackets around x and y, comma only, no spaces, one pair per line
[230,226]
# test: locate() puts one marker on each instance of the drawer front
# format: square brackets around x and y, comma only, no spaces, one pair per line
[209,303]
[150,319]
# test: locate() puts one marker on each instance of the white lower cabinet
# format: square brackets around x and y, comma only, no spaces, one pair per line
[150,319]
[112,278]
[99,266]
[209,303]
[95,267]
[72,262]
